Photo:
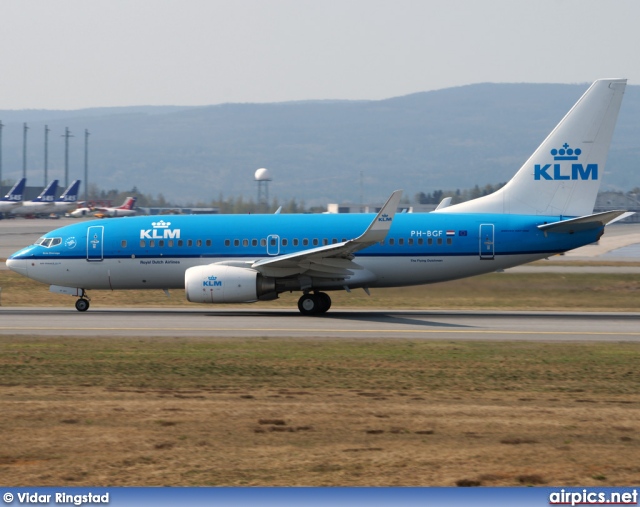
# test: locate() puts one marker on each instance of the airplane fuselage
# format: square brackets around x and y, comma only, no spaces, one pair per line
[154,252]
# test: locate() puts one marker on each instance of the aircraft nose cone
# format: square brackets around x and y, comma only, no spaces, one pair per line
[17,265]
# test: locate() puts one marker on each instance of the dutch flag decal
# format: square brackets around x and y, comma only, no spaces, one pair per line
[451,233]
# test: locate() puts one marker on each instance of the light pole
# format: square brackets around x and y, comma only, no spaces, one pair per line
[66,136]
[86,164]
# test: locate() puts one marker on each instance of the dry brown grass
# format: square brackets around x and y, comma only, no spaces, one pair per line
[506,291]
[327,412]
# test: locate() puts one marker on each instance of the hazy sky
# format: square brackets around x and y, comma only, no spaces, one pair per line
[71,54]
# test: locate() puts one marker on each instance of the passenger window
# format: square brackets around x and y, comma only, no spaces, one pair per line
[161,242]
[254,242]
[263,242]
[295,242]
[449,241]
[410,241]
[142,243]
[198,242]
[236,242]
[430,241]
[273,242]
[245,242]
[227,242]
[170,243]
[392,241]
[305,242]
[189,242]
[208,242]
[401,241]
[420,241]
[285,242]
[152,243]
[180,243]
[124,243]
[439,241]
[315,241]
[334,240]
[325,241]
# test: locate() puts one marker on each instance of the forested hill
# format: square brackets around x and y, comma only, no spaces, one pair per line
[316,151]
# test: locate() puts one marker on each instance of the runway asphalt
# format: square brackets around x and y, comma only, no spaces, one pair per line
[366,324]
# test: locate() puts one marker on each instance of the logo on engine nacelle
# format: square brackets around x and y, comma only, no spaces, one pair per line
[212,281]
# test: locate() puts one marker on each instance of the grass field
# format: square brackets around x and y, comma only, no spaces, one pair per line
[506,291]
[265,411]
[320,412]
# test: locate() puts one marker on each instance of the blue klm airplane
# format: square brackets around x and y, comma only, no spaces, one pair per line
[546,209]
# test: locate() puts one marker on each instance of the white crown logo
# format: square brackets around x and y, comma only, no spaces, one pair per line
[161,224]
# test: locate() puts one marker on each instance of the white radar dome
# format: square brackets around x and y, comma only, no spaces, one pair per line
[262,175]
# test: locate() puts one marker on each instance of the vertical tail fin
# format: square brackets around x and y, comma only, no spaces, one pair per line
[562,177]
[16,193]
[129,203]
[49,193]
[71,193]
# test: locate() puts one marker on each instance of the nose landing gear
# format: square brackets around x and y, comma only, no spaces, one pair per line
[82,304]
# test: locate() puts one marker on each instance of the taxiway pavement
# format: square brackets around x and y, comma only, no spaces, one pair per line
[365,324]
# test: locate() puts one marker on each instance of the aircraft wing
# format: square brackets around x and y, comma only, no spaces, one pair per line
[335,260]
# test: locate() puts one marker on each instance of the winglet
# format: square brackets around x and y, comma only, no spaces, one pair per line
[381,224]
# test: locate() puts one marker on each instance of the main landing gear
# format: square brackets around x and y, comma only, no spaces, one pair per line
[314,304]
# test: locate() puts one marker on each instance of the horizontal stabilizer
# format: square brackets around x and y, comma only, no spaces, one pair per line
[445,203]
[584,223]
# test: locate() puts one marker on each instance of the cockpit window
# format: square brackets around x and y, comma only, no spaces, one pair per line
[48,242]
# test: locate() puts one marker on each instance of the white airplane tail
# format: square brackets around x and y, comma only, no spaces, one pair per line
[129,203]
[562,177]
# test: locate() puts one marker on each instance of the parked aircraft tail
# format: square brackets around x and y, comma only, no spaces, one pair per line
[129,203]
[16,193]
[71,193]
[49,193]
[562,177]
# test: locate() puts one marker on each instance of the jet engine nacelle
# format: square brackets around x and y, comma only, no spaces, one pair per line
[217,283]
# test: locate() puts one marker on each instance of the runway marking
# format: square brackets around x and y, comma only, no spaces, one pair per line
[312,330]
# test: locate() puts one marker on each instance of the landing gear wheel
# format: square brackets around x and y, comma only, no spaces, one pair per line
[82,305]
[324,300]
[308,304]
[314,304]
